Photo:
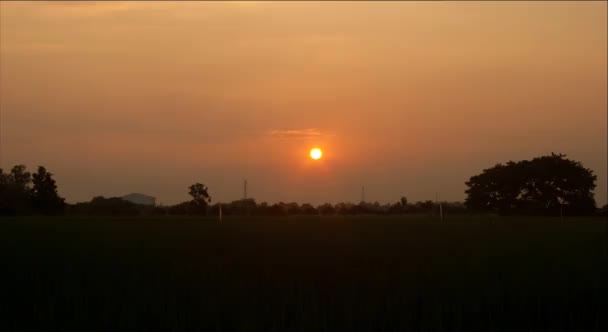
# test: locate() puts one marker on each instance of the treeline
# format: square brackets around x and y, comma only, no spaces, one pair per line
[116,206]
[548,185]
[23,193]
[249,207]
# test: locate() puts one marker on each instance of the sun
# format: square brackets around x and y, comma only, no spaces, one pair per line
[316,153]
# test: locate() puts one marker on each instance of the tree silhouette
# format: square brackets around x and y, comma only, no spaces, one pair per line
[20,177]
[326,209]
[308,209]
[44,197]
[546,185]
[200,198]
[15,191]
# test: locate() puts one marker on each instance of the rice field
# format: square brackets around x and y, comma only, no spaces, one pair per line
[367,273]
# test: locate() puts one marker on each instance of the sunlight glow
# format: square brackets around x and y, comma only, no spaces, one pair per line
[316,153]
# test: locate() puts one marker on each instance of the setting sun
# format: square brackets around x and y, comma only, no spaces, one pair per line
[316,153]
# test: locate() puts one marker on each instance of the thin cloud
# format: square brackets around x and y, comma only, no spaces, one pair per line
[92,9]
[295,133]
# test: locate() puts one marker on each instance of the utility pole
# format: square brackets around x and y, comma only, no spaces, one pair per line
[362,194]
[245,190]
[438,204]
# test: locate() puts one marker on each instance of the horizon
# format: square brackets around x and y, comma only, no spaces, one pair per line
[406,99]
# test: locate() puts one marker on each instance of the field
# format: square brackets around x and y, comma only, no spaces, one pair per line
[304,274]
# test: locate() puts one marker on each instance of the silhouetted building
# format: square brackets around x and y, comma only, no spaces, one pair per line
[140,199]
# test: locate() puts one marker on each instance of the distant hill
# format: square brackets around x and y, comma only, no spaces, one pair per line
[140,199]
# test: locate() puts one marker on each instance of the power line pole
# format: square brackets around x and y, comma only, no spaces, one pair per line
[0,136]
[245,190]
[362,194]
[1,130]
[437,202]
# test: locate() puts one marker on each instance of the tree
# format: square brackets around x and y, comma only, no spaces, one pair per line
[44,197]
[262,209]
[20,177]
[326,209]
[547,185]
[292,208]
[200,198]
[423,207]
[399,207]
[15,191]
[603,212]
[308,209]
[245,206]
[180,209]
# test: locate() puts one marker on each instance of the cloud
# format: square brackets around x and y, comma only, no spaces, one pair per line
[91,9]
[296,133]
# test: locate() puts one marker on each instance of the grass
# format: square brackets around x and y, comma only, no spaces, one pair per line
[304,274]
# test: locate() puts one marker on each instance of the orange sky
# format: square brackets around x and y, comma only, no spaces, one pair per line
[406,98]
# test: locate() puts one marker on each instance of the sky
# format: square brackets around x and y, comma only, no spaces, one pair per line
[405,98]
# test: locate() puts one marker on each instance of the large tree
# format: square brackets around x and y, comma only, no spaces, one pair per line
[547,185]
[44,197]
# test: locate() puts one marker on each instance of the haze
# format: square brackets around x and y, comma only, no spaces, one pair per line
[408,99]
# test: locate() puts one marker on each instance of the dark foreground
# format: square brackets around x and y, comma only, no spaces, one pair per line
[304,274]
